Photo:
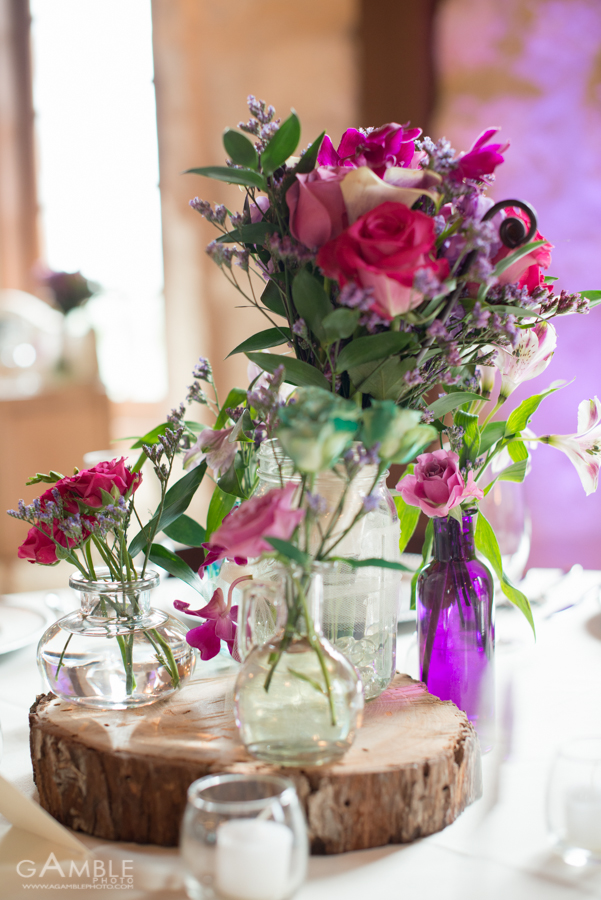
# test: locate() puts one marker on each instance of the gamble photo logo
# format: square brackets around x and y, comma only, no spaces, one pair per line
[83,874]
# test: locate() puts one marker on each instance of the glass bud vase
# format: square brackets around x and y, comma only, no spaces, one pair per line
[455,624]
[360,606]
[298,700]
[116,652]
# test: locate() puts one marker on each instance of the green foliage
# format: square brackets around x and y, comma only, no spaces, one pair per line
[221,504]
[282,145]
[520,417]
[470,447]
[186,531]
[487,544]
[372,562]
[384,380]
[272,299]
[311,302]
[517,450]
[490,434]
[236,397]
[177,500]
[309,158]
[297,372]
[408,519]
[240,149]
[271,337]
[508,261]
[231,176]
[39,478]
[452,401]
[175,565]
[255,233]
[232,481]
[289,551]
[593,297]
[340,324]
[372,347]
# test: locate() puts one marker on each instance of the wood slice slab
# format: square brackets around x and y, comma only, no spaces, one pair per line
[123,776]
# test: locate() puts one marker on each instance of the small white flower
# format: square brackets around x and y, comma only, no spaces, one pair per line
[529,359]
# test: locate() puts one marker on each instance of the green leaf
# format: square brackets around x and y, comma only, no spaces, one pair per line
[374,562]
[383,379]
[514,472]
[240,149]
[314,684]
[371,348]
[490,434]
[549,279]
[256,233]
[594,297]
[408,519]
[232,481]
[517,450]
[508,261]
[297,372]
[282,145]
[426,552]
[311,301]
[272,299]
[40,478]
[221,504]
[271,337]
[231,176]
[151,437]
[341,323]
[177,500]
[470,446]
[235,398]
[449,402]
[487,544]
[290,551]
[521,416]
[186,531]
[309,158]
[175,565]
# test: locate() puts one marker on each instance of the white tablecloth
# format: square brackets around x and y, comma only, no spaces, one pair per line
[497,850]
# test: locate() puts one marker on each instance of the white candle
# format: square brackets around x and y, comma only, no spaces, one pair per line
[253,859]
[583,820]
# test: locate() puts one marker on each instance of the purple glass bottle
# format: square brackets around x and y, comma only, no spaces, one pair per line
[455,622]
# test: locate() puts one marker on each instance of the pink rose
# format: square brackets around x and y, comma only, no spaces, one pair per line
[437,485]
[242,534]
[526,272]
[378,148]
[482,159]
[383,250]
[316,204]
[113,477]
[38,546]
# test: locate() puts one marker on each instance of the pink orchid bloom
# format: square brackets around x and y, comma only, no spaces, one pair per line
[529,359]
[220,625]
[378,148]
[584,447]
[480,159]
[215,447]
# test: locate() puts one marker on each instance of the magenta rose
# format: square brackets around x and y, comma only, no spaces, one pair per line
[481,159]
[113,477]
[242,534]
[383,250]
[379,148]
[437,485]
[526,272]
[316,204]
[38,546]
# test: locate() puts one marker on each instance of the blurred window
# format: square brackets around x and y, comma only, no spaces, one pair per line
[98,177]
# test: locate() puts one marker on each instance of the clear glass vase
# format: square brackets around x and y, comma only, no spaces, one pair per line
[455,625]
[360,606]
[116,652]
[298,700]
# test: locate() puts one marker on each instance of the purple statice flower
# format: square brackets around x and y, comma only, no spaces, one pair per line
[438,330]
[261,433]
[370,502]
[441,154]
[356,297]
[262,125]
[202,370]
[196,394]
[300,329]
[413,377]
[480,316]
[220,254]
[317,504]
[496,322]
[241,259]
[440,223]
[234,414]
[453,248]
[372,322]
[237,219]
[583,306]
[288,250]
[215,215]
[427,417]
[453,355]
[427,283]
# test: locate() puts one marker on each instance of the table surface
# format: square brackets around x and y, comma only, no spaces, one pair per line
[499,848]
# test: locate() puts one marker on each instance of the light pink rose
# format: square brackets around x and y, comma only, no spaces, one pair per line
[215,447]
[437,485]
[316,204]
[242,534]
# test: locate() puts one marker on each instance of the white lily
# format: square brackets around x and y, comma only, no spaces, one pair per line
[529,359]
[363,190]
[583,448]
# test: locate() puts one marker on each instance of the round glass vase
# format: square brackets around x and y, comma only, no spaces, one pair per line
[298,700]
[360,606]
[116,652]
[455,625]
